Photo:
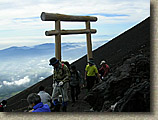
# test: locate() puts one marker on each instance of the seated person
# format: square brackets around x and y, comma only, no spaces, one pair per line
[45,97]
[35,101]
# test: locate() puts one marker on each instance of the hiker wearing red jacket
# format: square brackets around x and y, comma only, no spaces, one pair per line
[104,69]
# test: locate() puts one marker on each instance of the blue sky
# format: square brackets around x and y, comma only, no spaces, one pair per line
[20,23]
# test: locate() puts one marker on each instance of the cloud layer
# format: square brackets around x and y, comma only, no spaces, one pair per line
[22,67]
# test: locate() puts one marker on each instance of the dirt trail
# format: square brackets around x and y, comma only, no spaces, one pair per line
[80,105]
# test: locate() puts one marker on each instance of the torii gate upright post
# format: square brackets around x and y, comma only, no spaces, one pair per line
[89,42]
[58,41]
[58,32]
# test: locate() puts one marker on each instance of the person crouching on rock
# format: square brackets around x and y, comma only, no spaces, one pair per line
[60,84]
[104,69]
[90,74]
[34,101]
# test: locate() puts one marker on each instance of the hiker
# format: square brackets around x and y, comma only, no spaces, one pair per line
[34,101]
[60,83]
[104,69]
[90,74]
[75,83]
[3,105]
[45,97]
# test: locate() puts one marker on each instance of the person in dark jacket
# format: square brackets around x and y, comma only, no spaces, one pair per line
[75,82]
[2,105]
[35,101]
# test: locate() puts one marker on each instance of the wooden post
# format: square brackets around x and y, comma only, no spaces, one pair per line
[58,41]
[89,43]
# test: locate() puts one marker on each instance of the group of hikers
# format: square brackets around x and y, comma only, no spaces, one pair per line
[66,77]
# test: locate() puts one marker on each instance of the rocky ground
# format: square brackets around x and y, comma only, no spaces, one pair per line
[126,89]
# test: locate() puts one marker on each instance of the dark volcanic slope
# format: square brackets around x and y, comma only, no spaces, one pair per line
[113,52]
[118,48]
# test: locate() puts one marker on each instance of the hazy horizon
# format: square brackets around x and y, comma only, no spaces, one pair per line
[21,67]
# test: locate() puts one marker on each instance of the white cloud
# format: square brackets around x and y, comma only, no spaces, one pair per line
[41,78]
[44,61]
[23,81]
[8,83]
[17,83]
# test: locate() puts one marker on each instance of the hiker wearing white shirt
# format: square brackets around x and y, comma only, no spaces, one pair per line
[45,97]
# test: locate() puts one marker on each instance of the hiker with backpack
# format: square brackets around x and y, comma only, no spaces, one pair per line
[75,82]
[104,69]
[60,84]
[91,72]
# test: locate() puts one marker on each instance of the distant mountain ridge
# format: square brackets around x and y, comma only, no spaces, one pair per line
[26,51]
[47,49]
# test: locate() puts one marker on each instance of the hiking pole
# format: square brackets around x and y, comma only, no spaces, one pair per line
[61,91]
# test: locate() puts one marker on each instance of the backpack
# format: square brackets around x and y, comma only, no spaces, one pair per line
[77,74]
[64,71]
[62,68]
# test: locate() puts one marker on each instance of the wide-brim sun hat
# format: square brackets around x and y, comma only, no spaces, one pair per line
[53,61]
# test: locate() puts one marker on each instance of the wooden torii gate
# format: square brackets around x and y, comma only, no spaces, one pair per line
[58,32]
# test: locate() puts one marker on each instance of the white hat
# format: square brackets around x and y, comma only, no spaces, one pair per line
[102,62]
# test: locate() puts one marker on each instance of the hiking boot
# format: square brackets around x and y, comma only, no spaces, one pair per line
[56,108]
